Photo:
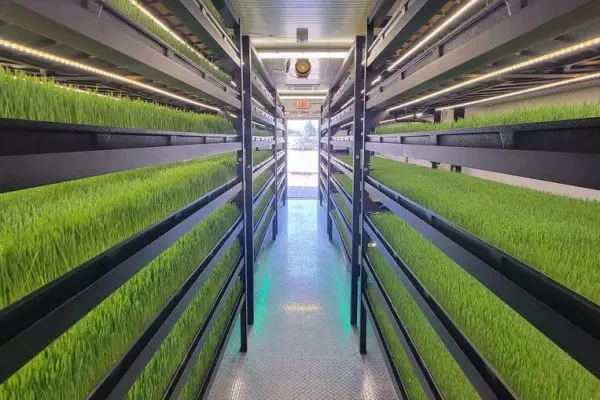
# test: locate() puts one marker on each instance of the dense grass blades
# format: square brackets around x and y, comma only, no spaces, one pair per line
[199,373]
[445,371]
[342,205]
[259,235]
[346,240]
[156,376]
[399,357]
[556,235]
[47,231]
[261,180]
[260,207]
[75,363]
[347,159]
[523,115]
[259,156]
[532,365]
[41,99]
[133,10]
[346,183]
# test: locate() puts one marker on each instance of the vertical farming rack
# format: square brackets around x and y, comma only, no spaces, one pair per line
[111,48]
[387,86]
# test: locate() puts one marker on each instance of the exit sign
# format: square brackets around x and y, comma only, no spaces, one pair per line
[302,104]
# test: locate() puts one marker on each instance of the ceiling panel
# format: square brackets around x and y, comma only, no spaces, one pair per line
[325,19]
[330,23]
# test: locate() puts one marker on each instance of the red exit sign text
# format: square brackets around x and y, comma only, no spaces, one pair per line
[302,104]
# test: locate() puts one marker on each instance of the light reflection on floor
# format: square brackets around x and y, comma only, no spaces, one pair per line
[301,345]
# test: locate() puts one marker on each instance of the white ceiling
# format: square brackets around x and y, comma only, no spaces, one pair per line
[331,24]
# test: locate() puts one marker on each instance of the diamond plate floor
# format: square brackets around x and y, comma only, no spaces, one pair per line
[301,345]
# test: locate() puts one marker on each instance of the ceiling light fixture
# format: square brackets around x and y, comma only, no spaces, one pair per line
[84,67]
[302,91]
[301,54]
[299,97]
[502,71]
[564,82]
[447,22]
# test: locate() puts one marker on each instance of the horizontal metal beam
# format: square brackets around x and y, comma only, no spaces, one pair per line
[196,18]
[379,13]
[211,373]
[25,171]
[565,317]
[399,387]
[66,22]
[475,367]
[34,322]
[185,368]
[347,224]
[399,30]
[420,369]
[262,167]
[530,25]
[123,374]
[567,168]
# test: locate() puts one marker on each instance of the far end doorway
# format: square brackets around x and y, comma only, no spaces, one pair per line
[303,158]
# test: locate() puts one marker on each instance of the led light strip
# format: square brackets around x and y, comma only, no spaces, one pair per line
[565,82]
[84,67]
[447,22]
[502,71]
[417,115]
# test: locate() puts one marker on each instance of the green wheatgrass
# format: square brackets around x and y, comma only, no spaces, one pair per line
[525,114]
[556,235]
[342,205]
[261,207]
[346,183]
[346,240]
[72,366]
[532,365]
[259,156]
[259,235]
[158,373]
[199,373]
[127,8]
[347,159]
[41,99]
[447,374]
[261,180]
[47,231]
[215,13]
[399,357]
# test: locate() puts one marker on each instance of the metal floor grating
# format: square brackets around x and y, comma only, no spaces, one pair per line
[301,345]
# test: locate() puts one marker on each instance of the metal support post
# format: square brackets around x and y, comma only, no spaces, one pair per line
[359,78]
[247,177]
[239,128]
[275,166]
[329,150]
[319,191]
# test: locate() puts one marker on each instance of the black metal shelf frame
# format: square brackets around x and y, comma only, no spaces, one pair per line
[486,381]
[420,368]
[345,251]
[204,25]
[565,317]
[35,321]
[347,224]
[93,29]
[39,153]
[122,376]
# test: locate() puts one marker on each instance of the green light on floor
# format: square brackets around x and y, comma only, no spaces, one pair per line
[260,306]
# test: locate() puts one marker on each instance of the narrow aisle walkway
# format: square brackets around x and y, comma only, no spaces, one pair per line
[301,345]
